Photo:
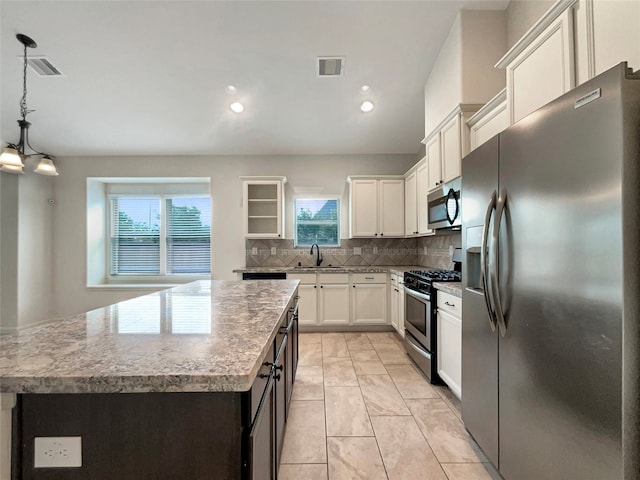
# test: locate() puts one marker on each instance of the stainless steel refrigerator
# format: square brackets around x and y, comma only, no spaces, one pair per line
[551,287]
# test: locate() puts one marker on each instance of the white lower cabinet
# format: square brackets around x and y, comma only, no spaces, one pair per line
[450,341]
[342,299]
[308,298]
[368,298]
[396,299]
[333,299]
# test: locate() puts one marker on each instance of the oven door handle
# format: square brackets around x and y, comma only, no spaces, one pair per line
[415,347]
[417,295]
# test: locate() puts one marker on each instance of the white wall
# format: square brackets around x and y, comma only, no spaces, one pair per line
[443,88]
[228,244]
[522,15]
[484,42]
[25,250]
[464,71]
[35,249]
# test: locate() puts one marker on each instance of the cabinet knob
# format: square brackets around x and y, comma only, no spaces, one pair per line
[376,234]
[381,234]
[354,286]
[277,376]
[321,286]
[315,286]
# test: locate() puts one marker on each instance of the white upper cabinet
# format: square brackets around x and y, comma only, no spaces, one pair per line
[447,145]
[606,33]
[421,197]
[415,206]
[363,213]
[451,140]
[489,120]
[376,207]
[540,66]
[391,207]
[571,43]
[263,205]
[434,162]
[410,204]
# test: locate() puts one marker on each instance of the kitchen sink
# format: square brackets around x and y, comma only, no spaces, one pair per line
[302,267]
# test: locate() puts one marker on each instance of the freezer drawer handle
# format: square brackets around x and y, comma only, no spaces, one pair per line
[483,262]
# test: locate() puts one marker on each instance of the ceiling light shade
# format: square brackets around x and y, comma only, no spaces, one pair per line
[366,106]
[46,167]
[11,158]
[237,107]
[231,89]
[12,169]
[13,155]
[365,89]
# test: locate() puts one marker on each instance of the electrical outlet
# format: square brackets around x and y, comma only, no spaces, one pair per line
[57,452]
[424,252]
[273,251]
[375,250]
[254,250]
[357,250]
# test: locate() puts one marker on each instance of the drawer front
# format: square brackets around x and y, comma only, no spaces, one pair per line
[450,304]
[305,278]
[260,383]
[368,278]
[324,278]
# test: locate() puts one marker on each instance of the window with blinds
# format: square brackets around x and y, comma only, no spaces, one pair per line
[317,221]
[160,235]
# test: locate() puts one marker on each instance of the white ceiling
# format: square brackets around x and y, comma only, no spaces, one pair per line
[149,78]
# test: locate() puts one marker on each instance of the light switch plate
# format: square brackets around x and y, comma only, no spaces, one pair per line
[273,251]
[425,251]
[357,250]
[375,250]
[55,452]
[254,250]
[450,249]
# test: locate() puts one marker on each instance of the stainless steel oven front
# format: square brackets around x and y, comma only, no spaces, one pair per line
[418,331]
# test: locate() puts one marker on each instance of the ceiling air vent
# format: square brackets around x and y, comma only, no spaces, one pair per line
[43,67]
[330,66]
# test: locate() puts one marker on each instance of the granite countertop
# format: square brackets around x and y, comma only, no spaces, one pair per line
[454,288]
[205,336]
[334,269]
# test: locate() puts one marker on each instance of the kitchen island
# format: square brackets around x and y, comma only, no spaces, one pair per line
[191,382]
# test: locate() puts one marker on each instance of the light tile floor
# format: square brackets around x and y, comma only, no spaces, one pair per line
[361,410]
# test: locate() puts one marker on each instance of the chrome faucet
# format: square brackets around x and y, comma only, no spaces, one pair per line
[319,257]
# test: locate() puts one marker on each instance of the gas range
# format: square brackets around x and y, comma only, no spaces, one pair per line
[421,280]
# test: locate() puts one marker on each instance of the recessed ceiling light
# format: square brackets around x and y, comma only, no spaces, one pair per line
[231,89]
[366,106]
[237,107]
[365,89]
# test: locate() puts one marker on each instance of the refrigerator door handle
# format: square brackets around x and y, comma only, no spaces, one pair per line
[483,262]
[501,206]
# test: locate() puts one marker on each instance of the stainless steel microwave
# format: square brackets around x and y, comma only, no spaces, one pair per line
[444,206]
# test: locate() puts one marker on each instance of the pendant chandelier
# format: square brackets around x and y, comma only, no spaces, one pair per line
[13,156]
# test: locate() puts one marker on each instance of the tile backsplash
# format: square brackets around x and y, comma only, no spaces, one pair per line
[356,251]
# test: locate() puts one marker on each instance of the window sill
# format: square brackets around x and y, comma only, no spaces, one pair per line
[133,286]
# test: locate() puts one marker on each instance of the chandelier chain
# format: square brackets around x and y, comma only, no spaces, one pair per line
[23,100]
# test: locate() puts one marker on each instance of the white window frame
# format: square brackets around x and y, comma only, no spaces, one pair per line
[97,256]
[162,275]
[320,198]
